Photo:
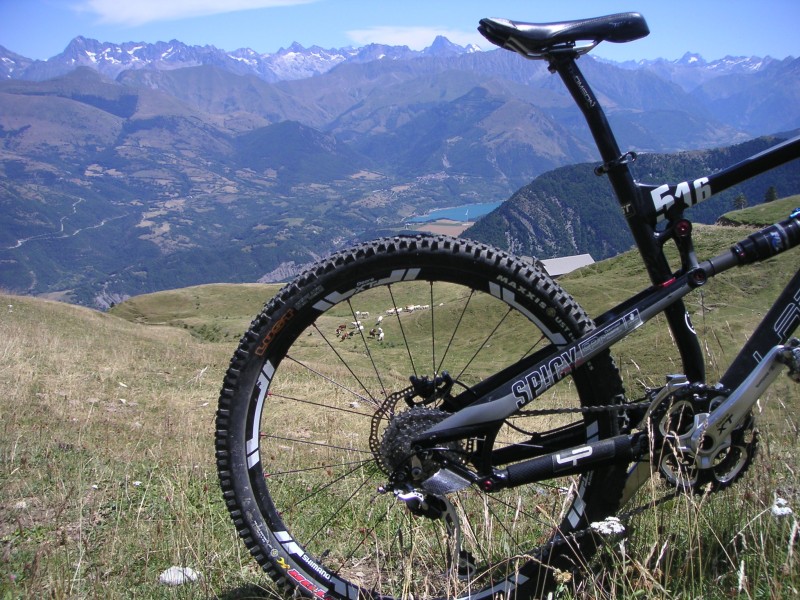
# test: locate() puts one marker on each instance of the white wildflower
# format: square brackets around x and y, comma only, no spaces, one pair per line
[781,508]
[137,483]
[608,526]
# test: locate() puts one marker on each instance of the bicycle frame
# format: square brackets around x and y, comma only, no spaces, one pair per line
[645,208]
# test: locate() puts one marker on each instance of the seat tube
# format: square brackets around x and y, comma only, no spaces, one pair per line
[632,205]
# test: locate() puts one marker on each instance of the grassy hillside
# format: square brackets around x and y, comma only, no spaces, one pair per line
[763,214]
[107,458]
[216,312]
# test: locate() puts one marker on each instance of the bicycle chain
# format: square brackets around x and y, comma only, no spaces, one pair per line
[388,407]
[387,411]
[623,407]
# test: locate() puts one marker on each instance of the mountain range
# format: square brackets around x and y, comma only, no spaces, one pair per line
[127,168]
[294,62]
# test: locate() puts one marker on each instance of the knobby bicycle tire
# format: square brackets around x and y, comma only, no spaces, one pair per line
[296,439]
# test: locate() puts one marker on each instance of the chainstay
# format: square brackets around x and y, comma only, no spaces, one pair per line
[624,518]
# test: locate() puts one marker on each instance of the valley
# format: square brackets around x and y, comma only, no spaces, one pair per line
[198,168]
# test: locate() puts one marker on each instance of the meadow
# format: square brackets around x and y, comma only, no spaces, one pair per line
[107,470]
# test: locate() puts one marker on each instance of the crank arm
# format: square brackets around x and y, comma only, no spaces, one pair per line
[712,431]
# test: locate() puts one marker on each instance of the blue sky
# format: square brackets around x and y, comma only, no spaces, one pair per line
[41,29]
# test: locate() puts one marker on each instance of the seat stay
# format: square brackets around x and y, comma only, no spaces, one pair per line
[537,40]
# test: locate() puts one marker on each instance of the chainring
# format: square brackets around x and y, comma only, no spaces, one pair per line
[676,419]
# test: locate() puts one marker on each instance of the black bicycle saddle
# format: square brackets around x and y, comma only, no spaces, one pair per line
[537,39]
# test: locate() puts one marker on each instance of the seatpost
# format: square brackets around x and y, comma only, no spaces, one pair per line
[632,203]
[618,172]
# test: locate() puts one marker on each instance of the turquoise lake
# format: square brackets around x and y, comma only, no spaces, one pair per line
[466,212]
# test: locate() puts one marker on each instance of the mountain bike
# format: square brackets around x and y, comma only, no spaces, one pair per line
[428,416]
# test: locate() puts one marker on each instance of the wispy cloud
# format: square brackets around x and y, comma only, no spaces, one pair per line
[416,38]
[138,12]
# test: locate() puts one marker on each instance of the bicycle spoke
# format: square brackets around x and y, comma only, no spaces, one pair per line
[369,399]
[340,506]
[529,351]
[402,330]
[351,554]
[485,341]
[360,329]
[274,474]
[319,404]
[433,330]
[308,443]
[461,314]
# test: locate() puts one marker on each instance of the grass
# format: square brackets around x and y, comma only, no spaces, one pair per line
[107,472]
[106,459]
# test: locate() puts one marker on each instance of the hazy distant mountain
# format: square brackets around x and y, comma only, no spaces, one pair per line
[131,167]
[295,62]
[692,70]
[760,102]
[11,64]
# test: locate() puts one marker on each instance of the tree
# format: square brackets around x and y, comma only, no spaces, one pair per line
[739,202]
[771,194]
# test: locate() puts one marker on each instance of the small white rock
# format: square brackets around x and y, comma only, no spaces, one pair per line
[178,576]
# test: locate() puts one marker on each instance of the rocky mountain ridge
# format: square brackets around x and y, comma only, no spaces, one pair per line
[294,62]
[298,62]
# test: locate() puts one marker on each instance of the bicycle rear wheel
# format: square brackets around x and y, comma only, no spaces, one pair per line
[310,423]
